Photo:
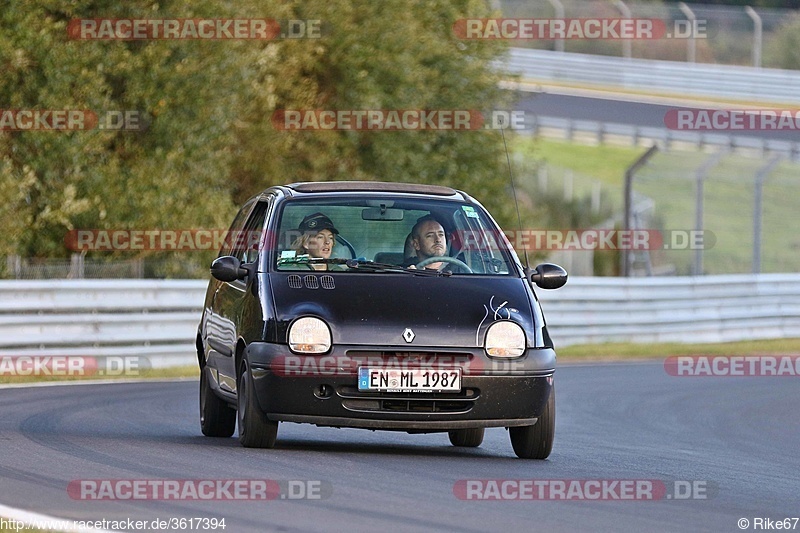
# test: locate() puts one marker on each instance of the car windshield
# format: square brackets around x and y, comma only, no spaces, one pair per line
[377,234]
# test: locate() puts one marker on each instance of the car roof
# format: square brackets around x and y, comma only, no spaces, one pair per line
[372,186]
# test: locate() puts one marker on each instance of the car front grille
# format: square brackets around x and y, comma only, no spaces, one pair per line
[407,402]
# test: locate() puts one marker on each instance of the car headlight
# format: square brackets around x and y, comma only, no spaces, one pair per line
[309,335]
[505,339]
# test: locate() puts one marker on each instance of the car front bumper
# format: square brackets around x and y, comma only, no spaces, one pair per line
[323,390]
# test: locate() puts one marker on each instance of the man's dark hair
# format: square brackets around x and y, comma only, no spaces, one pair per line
[420,222]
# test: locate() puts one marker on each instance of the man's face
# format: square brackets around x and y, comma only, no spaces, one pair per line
[321,244]
[431,240]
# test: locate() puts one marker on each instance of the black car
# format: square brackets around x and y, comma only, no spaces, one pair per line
[375,305]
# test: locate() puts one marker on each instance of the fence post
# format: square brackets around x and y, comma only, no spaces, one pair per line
[761,175]
[702,172]
[626,13]
[559,7]
[596,190]
[757,35]
[691,43]
[14,265]
[568,182]
[629,173]
[542,178]
[76,270]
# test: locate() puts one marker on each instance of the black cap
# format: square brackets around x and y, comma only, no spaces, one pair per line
[317,222]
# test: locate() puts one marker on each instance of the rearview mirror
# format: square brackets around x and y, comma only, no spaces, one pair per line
[382,213]
[228,268]
[547,276]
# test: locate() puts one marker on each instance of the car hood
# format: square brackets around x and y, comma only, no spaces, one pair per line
[374,309]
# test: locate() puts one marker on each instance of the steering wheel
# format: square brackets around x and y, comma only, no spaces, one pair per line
[444,259]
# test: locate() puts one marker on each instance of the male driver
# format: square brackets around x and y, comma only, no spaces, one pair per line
[429,240]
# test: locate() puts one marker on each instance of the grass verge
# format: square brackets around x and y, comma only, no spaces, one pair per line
[669,180]
[617,351]
[189,371]
[632,351]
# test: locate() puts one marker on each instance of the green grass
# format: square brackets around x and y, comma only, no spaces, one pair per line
[605,163]
[630,351]
[587,352]
[150,373]
[669,179]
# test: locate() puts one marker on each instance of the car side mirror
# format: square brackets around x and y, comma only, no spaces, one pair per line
[547,276]
[228,268]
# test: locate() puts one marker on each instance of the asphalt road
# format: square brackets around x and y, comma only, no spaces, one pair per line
[618,112]
[739,436]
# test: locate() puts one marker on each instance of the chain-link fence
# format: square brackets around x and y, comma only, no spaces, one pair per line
[746,209]
[700,212]
[725,34]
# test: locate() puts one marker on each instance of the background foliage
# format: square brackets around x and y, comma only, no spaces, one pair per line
[209,143]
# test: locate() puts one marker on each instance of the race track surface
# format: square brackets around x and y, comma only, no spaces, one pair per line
[739,437]
[623,112]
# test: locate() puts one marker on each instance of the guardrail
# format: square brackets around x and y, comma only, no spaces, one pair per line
[568,128]
[676,309]
[687,79]
[158,319]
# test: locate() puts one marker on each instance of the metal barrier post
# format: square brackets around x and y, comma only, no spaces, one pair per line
[629,173]
[761,175]
[702,172]
[757,35]
[559,7]
[691,44]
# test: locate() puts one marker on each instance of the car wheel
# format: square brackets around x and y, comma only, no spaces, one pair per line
[536,441]
[471,438]
[217,418]
[255,430]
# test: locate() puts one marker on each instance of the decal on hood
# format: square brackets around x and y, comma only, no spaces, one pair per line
[500,312]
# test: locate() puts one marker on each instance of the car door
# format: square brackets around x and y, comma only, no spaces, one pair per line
[231,297]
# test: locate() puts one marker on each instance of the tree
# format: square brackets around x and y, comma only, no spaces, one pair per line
[209,141]
[376,55]
[56,181]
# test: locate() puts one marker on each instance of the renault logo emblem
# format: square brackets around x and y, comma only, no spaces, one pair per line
[408,335]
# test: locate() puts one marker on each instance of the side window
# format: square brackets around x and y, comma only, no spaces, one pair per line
[247,246]
[235,229]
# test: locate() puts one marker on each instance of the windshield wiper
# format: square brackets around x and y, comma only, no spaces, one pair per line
[362,265]
[304,260]
[372,266]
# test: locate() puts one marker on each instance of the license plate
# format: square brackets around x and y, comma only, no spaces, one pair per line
[411,380]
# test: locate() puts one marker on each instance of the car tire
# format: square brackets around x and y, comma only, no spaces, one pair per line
[536,441]
[469,438]
[217,418]
[255,430]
